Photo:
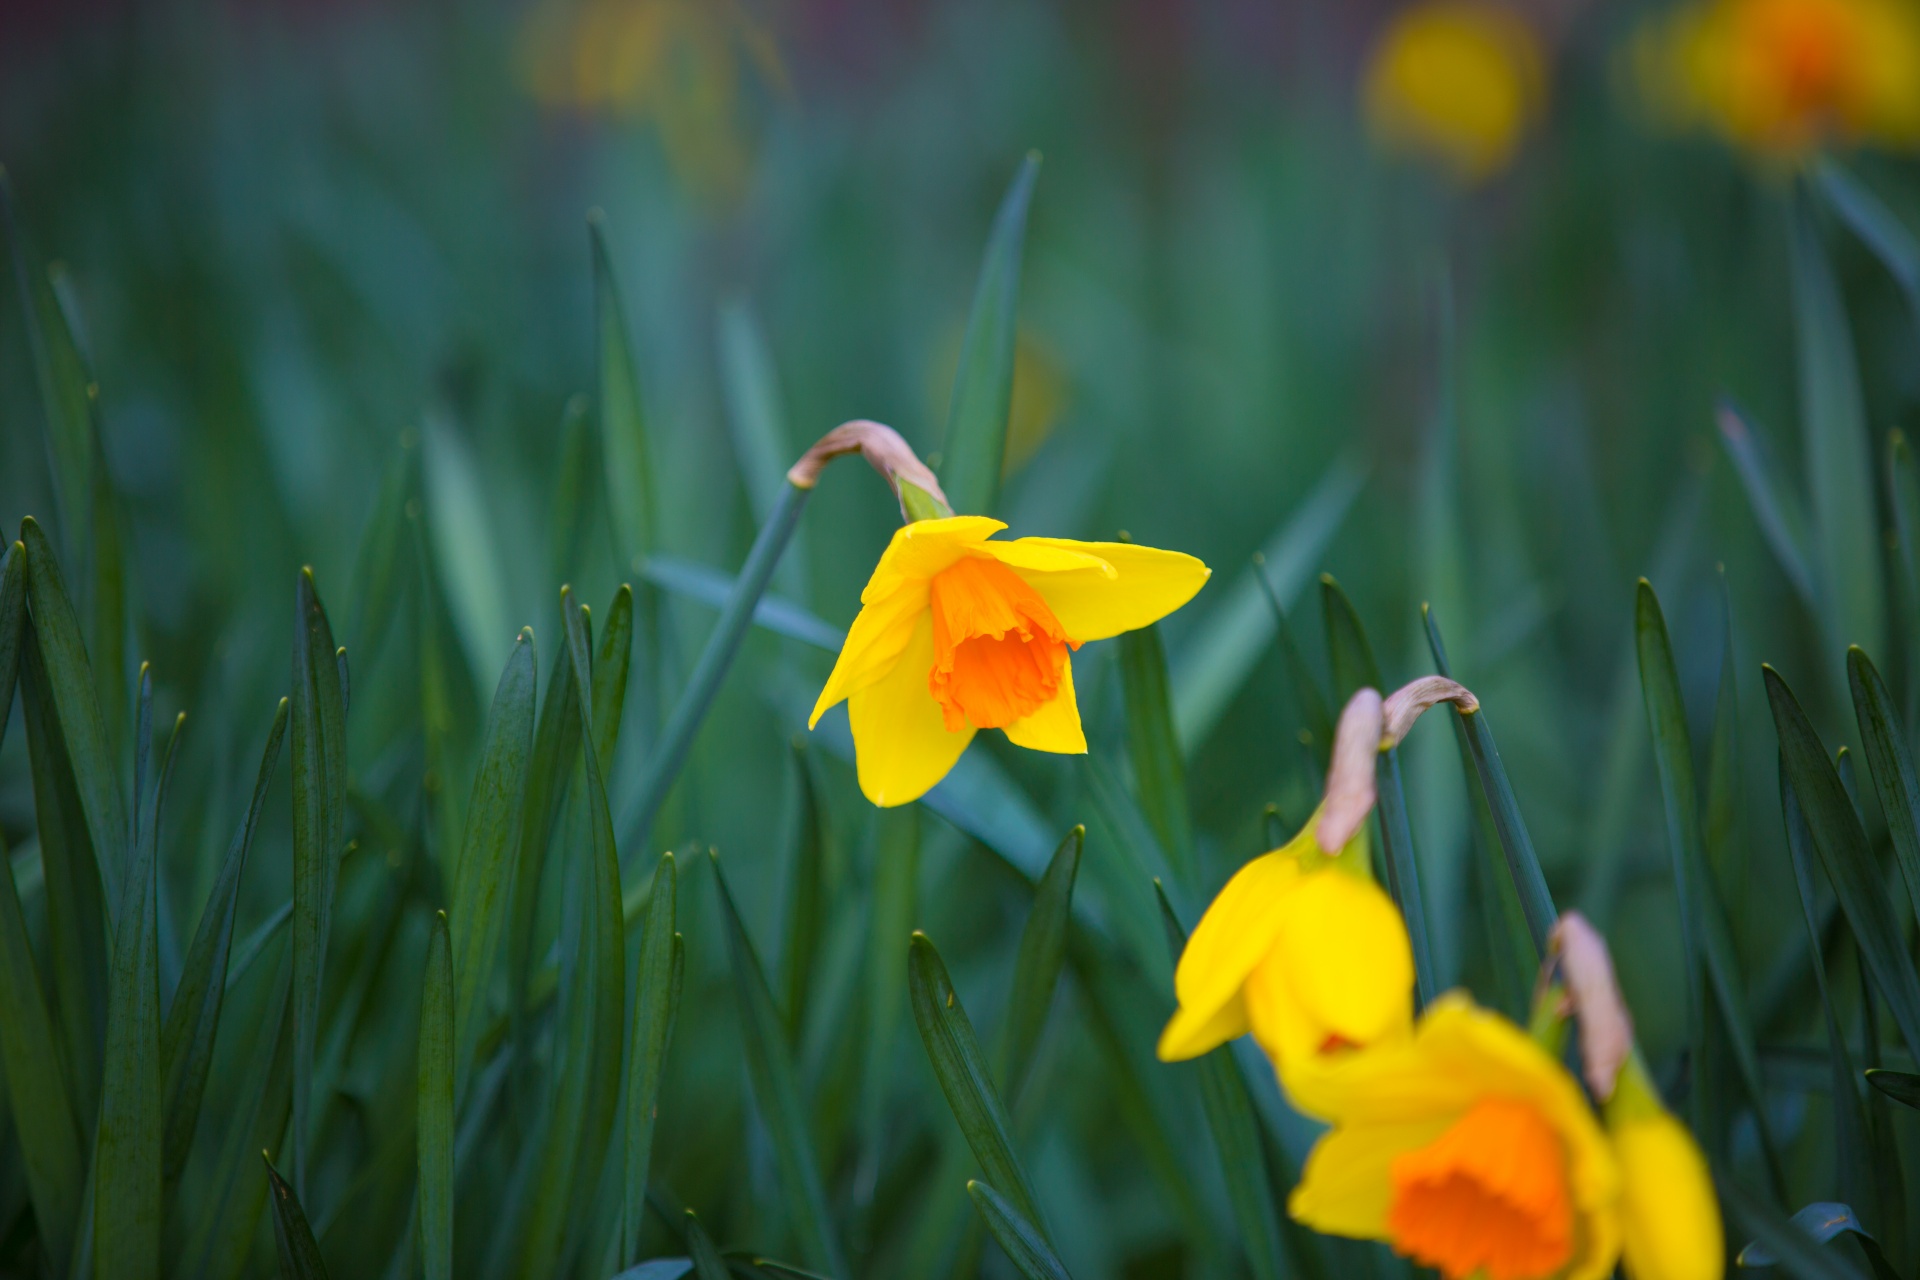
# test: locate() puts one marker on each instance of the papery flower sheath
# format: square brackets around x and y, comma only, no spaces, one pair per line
[958,633]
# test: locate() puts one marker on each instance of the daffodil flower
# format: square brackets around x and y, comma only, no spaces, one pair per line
[1301,947]
[958,632]
[1467,1148]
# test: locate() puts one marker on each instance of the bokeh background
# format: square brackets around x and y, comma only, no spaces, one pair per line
[323,250]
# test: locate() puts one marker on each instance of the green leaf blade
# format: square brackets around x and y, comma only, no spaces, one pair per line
[435,1108]
[976,439]
[961,1070]
[186,1044]
[292,1236]
[1041,956]
[776,1088]
[1025,1246]
[483,883]
[656,1002]
[623,426]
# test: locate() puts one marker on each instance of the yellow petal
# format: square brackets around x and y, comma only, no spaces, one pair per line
[1231,939]
[1670,1219]
[901,745]
[1346,1185]
[1049,555]
[873,645]
[1056,725]
[923,548]
[1341,968]
[1139,585]
[1191,1033]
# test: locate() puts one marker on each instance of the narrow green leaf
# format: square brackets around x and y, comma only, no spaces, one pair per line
[128,1142]
[1844,853]
[612,665]
[781,616]
[962,1071]
[585,1093]
[1236,1138]
[776,1090]
[707,1262]
[893,907]
[50,1149]
[1706,937]
[1890,762]
[656,1002]
[292,1237]
[1903,503]
[1868,217]
[77,927]
[1902,1086]
[483,883]
[1348,652]
[756,424]
[186,1043]
[319,833]
[623,428]
[1037,963]
[221,1238]
[1403,871]
[256,942]
[13,624]
[1226,642]
[1159,771]
[1724,850]
[669,754]
[1523,864]
[1795,1241]
[975,445]
[556,739]
[1026,1247]
[786,1269]
[577,491]
[1310,699]
[805,893]
[70,680]
[435,1109]
[1834,430]
[1775,506]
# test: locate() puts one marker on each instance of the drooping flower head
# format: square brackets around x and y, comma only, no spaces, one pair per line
[959,632]
[1782,77]
[1469,1148]
[1301,947]
[1456,81]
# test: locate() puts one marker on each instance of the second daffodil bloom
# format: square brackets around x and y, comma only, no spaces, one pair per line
[959,632]
[1469,1148]
[1301,947]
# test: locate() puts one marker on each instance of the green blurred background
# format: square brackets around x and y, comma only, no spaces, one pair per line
[322,252]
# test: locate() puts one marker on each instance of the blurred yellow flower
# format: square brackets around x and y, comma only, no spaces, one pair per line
[1303,950]
[1456,81]
[1668,1213]
[1466,1148]
[957,633]
[682,65]
[1781,77]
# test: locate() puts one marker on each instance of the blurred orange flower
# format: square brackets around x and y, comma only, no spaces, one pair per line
[1780,77]
[1457,81]
[685,66]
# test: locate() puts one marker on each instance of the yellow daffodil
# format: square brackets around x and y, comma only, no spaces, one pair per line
[1466,1148]
[1457,81]
[958,633]
[1668,1214]
[1780,77]
[1301,947]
